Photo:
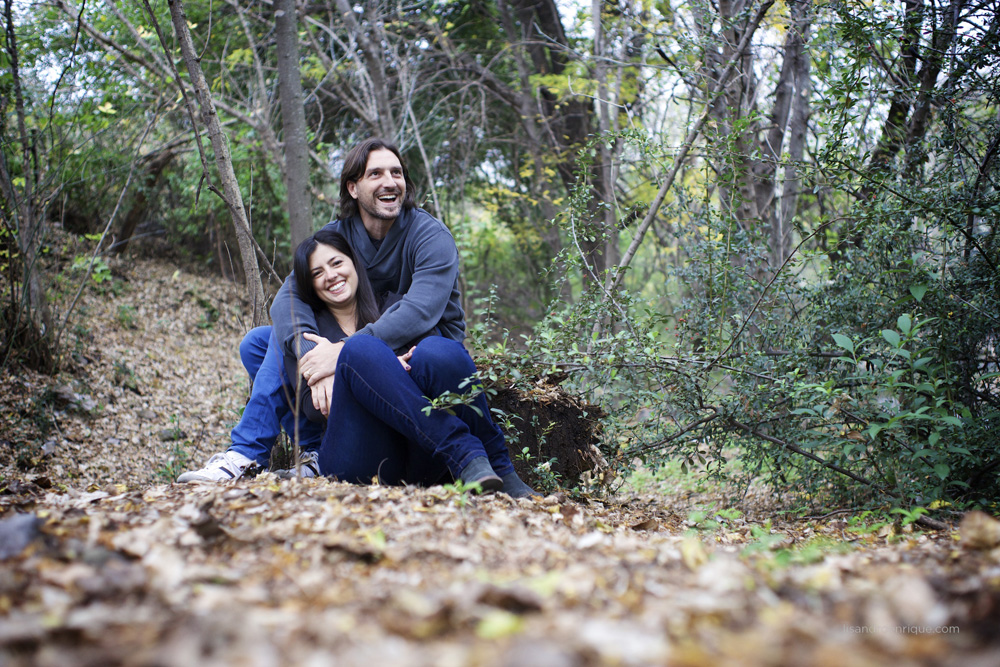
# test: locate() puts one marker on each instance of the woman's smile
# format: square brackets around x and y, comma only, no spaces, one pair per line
[334,276]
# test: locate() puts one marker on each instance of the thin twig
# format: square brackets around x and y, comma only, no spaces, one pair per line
[826,516]
[809,455]
[690,427]
[763,293]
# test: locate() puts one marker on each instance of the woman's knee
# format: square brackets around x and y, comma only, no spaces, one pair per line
[360,349]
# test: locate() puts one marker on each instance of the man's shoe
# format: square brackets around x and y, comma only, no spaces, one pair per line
[309,465]
[515,488]
[479,472]
[228,465]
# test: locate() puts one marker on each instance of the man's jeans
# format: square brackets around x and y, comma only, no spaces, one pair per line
[268,409]
[378,427]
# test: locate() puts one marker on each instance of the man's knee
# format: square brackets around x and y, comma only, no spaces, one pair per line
[444,357]
[441,349]
[253,348]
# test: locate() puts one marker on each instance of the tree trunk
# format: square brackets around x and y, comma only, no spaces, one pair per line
[796,151]
[564,124]
[909,112]
[230,186]
[30,326]
[293,122]
[156,163]
[791,111]
[894,128]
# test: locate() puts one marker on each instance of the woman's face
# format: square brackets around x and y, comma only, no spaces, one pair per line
[333,276]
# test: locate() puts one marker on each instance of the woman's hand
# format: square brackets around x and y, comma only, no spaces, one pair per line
[322,394]
[321,361]
[405,358]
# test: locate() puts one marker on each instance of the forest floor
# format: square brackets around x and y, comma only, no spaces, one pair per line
[104,561]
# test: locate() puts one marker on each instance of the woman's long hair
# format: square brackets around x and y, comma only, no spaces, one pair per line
[366,308]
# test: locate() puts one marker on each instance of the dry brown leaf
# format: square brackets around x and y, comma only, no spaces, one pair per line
[979,531]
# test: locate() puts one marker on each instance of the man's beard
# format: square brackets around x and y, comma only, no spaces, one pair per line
[382,211]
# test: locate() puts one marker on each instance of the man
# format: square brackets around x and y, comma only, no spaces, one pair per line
[405,251]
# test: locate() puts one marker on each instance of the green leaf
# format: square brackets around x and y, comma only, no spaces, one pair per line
[891,336]
[918,292]
[942,470]
[844,342]
[904,323]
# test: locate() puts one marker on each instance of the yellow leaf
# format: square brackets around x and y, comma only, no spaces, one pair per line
[545,585]
[498,624]
[376,540]
[693,553]
[107,108]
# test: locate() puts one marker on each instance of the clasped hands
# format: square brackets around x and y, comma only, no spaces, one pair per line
[319,364]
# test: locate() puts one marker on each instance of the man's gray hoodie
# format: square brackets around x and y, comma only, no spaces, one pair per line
[417,259]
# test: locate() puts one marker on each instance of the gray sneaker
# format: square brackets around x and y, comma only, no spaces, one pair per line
[228,465]
[309,461]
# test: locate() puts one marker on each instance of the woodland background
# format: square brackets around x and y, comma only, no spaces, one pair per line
[761,237]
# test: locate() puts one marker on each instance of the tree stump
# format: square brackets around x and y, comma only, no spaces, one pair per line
[554,426]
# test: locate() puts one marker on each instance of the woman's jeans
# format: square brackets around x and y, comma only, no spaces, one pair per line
[268,411]
[378,428]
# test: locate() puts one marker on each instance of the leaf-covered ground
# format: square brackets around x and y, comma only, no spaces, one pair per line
[104,562]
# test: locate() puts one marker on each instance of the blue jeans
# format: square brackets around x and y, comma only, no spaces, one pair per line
[377,427]
[268,411]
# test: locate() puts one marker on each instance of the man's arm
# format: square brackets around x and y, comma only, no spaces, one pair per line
[290,318]
[435,270]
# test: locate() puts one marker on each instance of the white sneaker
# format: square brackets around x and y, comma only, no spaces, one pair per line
[222,467]
[309,464]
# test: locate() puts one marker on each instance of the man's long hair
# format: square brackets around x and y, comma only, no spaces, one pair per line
[354,168]
[366,310]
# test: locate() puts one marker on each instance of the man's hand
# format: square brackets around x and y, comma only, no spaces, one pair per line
[321,361]
[322,394]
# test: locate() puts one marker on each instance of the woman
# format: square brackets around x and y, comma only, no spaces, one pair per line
[377,424]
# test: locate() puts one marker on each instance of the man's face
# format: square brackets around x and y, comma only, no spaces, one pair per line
[381,189]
